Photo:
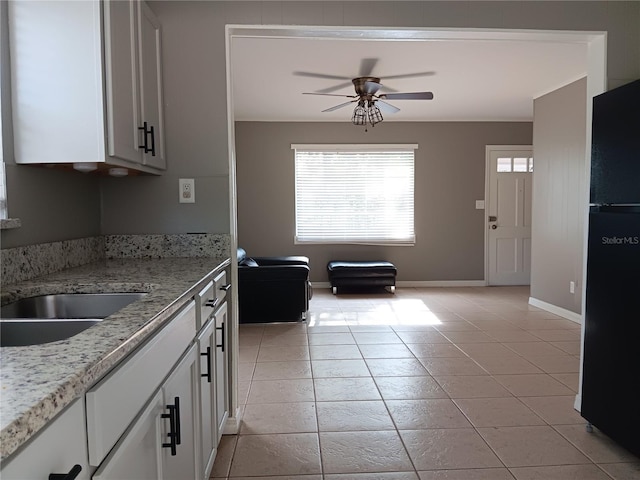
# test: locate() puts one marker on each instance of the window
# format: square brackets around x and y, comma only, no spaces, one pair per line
[515,164]
[354,194]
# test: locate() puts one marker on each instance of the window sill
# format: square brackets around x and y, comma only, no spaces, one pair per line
[9,223]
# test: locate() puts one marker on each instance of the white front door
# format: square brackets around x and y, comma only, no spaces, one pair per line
[508,214]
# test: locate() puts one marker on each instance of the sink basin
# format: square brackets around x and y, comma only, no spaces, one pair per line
[69,305]
[49,318]
[20,332]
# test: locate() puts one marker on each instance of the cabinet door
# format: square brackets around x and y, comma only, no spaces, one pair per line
[181,394]
[222,369]
[207,344]
[122,88]
[56,81]
[137,456]
[151,109]
[55,449]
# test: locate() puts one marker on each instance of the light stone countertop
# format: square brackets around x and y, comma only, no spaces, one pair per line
[39,381]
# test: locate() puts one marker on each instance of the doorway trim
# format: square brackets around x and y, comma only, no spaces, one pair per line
[596,42]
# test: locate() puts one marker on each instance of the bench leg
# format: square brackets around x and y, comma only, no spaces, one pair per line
[334,290]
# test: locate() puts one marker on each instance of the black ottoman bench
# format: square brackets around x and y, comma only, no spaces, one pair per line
[361,274]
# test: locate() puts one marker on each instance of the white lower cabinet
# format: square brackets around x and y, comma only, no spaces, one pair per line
[60,448]
[207,345]
[214,393]
[138,454]
[222,368]
[180,455]
[161,443]
[159,415]
[116,400]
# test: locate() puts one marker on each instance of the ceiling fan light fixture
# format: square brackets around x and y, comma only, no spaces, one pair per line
[359,116]
[374,114]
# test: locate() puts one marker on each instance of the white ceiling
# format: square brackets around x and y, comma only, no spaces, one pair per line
[472,80]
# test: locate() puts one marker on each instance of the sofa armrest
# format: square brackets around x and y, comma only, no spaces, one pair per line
[266,273]
[287,260]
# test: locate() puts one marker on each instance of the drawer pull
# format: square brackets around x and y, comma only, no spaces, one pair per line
[174,426]
[208,355]
[145,132]
[73,473]
[212,302]
[153,142]
[177,402]
[226,287]
[222,344]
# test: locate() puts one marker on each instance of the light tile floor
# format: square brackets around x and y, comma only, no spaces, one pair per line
[426,384]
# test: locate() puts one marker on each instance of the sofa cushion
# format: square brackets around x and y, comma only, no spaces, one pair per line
[361,269]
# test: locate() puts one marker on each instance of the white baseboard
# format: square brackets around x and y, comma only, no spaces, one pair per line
[561,312]
[577,403]
[428,283]
[442,283]
[232,426]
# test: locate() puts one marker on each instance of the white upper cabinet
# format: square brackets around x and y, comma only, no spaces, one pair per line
[151,87]
[71,103]
[133,83]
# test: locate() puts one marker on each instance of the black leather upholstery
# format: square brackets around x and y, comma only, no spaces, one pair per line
[361,274]
[272,289]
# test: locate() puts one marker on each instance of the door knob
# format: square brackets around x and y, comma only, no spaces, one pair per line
[493,227]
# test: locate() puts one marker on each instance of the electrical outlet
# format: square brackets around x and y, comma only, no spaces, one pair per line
[572,287]
[187,190]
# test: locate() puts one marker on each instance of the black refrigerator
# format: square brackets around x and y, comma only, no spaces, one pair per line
[611,360]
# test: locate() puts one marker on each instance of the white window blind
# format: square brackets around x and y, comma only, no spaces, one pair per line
[355,194]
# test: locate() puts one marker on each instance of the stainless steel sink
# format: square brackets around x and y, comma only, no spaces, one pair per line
[49,318]
[20,332]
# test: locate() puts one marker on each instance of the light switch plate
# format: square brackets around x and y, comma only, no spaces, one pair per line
[479,204]
[187,190]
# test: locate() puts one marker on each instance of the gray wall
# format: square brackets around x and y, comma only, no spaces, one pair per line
[195,95]
[53,205]
[559,196]
[449,178]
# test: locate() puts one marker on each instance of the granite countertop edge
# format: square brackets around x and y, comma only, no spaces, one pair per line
[38,382]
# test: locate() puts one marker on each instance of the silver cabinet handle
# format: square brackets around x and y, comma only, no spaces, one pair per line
[212,302]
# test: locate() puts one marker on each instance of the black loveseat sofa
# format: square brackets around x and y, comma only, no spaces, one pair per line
[272,289]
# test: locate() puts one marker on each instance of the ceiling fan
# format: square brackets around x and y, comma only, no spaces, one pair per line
[369,103]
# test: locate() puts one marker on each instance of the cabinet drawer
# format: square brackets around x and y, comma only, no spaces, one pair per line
[211,297]
[221,286]
[206,303]
[115,401]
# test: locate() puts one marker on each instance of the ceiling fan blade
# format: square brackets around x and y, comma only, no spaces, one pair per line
[338,106]
[320,75]
[335,87]
[329,94]
[409,75]
[407,96]
[386,89]
[387,107]
[367,65]
[371,88]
